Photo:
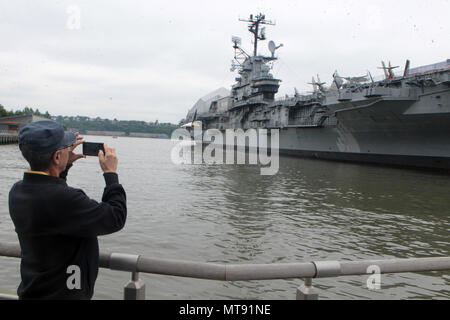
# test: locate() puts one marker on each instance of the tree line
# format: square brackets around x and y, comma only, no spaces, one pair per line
[24,111]
[83,124]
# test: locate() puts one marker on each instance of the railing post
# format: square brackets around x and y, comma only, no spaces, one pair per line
[306,291]
[135,289]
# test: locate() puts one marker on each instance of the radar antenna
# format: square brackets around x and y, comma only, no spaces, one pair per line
[253,27]
[239,54]
[273,48]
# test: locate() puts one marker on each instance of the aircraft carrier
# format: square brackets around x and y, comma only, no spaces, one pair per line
[401,120]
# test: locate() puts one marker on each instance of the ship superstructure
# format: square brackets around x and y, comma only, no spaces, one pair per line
[399,120]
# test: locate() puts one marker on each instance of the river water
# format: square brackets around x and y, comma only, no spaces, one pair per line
[310,210]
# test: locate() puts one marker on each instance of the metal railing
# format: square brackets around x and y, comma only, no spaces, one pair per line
[8,137]
[135,289]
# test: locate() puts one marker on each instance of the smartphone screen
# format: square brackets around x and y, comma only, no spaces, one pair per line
[92,148]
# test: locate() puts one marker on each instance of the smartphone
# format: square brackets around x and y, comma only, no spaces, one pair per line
[92,148]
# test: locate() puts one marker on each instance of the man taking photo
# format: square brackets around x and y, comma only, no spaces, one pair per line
[58,225]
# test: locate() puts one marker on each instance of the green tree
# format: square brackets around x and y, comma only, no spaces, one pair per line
[26,110]
[3,112]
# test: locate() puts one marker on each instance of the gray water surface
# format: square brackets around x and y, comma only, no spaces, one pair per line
[310,210]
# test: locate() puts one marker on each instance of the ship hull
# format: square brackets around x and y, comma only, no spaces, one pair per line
[420,162]
[438,163]
[384,134]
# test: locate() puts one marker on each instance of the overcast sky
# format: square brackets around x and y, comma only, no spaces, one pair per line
[148,60]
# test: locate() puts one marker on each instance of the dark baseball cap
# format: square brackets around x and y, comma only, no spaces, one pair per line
[45,136]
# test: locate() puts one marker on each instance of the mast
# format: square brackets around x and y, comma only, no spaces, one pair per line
[253,27]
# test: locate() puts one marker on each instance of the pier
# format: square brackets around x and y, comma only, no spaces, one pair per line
[307,271]
[11,125]
[8,137]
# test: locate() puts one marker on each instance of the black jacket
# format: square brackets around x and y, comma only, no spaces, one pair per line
[58,227]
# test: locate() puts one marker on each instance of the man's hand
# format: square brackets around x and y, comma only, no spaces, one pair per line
[108,160]
[75,156]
